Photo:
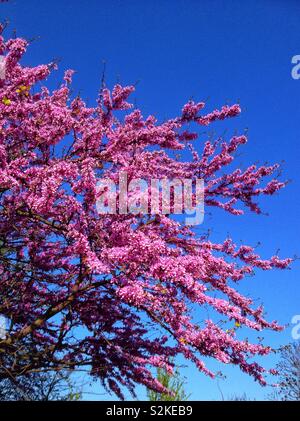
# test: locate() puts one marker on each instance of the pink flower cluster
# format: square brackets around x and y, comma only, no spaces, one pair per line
[117,278]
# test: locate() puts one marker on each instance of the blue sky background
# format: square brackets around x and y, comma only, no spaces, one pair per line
[219,51]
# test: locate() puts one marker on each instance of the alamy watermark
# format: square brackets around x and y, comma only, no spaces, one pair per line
[2,68]
[155,196]
[296,69]
[296,329]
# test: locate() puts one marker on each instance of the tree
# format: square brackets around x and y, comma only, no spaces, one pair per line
[172,382]
[288,369]
[112,293]
[39,387]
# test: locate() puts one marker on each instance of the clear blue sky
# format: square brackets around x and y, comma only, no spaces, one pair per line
[222,51]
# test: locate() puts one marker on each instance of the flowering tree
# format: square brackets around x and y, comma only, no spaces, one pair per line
[113,293]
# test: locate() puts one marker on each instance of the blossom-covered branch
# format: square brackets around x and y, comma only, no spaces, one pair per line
[115,292]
